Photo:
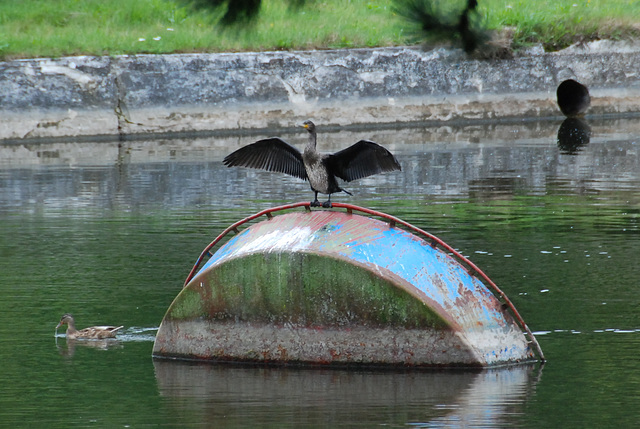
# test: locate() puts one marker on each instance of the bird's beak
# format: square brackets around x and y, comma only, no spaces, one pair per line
[59,325]
[305,126]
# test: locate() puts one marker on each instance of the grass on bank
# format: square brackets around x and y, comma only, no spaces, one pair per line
[53,28]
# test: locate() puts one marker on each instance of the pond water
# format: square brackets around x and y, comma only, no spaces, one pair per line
[109,230]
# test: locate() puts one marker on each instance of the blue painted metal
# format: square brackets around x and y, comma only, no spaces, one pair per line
[475,330]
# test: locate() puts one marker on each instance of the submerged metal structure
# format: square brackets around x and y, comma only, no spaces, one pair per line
[328,287]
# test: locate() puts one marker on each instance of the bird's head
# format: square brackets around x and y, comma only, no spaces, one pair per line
[309,126]
[65,320]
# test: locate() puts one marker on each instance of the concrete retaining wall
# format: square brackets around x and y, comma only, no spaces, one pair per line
[89,96]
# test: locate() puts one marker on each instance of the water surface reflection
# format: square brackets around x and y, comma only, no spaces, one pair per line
[226,396]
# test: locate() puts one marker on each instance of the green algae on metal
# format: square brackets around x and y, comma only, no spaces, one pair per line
[302,289]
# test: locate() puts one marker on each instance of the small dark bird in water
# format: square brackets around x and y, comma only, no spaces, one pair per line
[573,98]
[362,159]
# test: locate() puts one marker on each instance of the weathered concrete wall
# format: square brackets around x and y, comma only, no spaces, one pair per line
[83,96]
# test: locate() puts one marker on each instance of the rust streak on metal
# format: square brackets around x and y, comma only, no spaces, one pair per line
[465,261]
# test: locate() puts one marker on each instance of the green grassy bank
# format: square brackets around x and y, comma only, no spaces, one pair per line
[46,28]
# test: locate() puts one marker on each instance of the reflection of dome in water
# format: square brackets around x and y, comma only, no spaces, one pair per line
[573,98]
[573,134]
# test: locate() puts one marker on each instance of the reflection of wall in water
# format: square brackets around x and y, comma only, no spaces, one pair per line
[181,173]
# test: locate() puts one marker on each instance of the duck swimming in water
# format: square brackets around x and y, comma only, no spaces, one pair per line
[362,159]
[93,332]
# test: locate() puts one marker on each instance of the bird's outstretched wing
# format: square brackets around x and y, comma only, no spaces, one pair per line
[361,159]
[272,154]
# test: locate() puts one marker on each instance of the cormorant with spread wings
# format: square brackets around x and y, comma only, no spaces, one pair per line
[362,159]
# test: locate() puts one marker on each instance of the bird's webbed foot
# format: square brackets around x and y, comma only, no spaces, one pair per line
[315,203]
[327,204]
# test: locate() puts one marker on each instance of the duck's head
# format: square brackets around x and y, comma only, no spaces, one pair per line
[67,318]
